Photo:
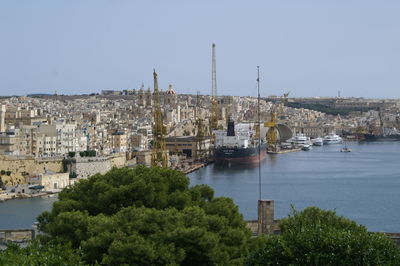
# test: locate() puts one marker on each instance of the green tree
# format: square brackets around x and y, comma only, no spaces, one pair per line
[147,216]
[36,254]
[71,154]
[318,237]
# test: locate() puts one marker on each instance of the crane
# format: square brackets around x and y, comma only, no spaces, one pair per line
[159,153]
[201,132]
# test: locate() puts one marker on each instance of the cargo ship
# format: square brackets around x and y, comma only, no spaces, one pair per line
[238,145]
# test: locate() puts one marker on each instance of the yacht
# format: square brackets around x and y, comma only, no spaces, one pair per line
[301,141]
[332,139]
[317,142]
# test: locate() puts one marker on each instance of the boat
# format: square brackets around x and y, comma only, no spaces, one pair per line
[306,147]
[238,145]
[332,139]
[317,142]
[302,141]
[345,149]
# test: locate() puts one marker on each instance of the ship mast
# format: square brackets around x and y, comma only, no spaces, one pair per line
[259,133]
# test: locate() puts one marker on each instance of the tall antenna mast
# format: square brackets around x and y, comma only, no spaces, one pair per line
[259,133]
[214,101]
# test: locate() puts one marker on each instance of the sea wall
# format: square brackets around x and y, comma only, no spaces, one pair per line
[25,166]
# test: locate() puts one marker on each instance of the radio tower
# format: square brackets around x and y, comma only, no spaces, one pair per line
[214,100]
[158,155]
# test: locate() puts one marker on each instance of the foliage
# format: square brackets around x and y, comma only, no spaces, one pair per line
[1,183]
[3,172]
[328,109]
[8,173]
[73,175]
[89,153]
[36,254]
[318,237]
[147,216]
[65,163]
[71,154]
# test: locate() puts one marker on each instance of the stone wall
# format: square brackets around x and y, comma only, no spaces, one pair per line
[118,160]
[85,167]
[18,165]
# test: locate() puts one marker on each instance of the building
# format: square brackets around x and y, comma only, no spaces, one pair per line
[186,145]
[119,142]
[2,118]
[51,180]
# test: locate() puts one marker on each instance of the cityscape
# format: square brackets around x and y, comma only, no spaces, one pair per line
[162,164]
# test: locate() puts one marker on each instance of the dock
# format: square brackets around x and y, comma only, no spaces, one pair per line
[284,151]
[195,167]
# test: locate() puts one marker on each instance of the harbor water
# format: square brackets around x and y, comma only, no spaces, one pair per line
[363,185]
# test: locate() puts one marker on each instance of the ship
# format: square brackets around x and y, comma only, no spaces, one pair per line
[238,145]
[377,137]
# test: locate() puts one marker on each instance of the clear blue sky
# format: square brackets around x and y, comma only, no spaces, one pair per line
[310,48]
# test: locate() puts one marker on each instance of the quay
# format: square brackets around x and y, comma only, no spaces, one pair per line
[284,151]
[11,196]
[196,167]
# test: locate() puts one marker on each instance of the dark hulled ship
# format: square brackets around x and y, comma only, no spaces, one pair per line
[238,145]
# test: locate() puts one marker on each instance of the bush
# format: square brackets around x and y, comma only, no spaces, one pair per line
[38,254]
[71,154]
[8,173]
[3,172]
[318,237]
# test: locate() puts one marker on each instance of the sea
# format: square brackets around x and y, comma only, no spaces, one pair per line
[362,185]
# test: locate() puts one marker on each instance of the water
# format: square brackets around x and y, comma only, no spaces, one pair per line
[363,185]
[22,213]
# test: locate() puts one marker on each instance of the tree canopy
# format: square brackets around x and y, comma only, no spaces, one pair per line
[318,237]
[147,216]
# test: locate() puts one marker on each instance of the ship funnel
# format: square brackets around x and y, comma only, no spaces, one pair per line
[231,128]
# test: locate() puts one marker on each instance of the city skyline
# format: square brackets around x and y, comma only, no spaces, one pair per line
[309,48]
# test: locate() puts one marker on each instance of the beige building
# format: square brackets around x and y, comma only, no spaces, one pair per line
[9,143]
[138,142]
[119,142]
[2,118]
[51,180]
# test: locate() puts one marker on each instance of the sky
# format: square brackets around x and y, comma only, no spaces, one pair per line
[308,48]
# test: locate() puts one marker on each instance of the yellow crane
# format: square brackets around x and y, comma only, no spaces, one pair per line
[159,152]
[201,152]
[272,133]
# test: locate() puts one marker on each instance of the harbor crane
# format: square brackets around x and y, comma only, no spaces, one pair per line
[159,152]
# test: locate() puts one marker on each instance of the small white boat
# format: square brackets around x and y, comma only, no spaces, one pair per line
[306,147]
[345,149]
[332,139]
[317,142]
